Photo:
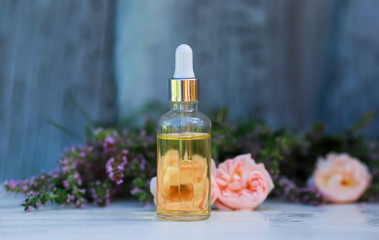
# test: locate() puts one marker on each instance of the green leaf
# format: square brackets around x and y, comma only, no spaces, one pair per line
[363,122]
[138,182]
[149,127]
[143,197]
[63,129]
[89,131]
[81,109]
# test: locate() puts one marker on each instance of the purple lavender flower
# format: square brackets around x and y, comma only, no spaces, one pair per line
[134,191]
[78,179]
[109,144]
[65,184]
[75,164]
[12,184]
[100,194]
[54,173]
[70,198]
[115,168]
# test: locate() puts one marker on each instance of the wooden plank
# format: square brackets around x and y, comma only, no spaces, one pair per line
[229,40]
[49,49]
[283,61]
[299,33]
[290,62]
[350,86]
[130,220]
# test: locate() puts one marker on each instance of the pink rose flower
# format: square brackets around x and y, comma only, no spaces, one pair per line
[215,192]
[153,188]
[243,184]
[341,178]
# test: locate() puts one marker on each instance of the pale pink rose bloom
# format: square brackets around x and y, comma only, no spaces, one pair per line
[214,188]
[243,184]
[215,191]
[341,178]
[153,188]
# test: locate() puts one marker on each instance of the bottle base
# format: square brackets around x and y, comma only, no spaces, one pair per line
[181,218]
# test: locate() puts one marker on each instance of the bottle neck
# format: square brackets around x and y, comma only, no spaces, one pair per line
[184,106]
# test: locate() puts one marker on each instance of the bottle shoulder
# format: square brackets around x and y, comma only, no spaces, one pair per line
[173,121]
[203,117]
[195,116]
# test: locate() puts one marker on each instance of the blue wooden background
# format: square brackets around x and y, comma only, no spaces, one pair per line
[290,62]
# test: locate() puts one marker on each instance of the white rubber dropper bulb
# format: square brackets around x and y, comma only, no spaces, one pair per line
[183,62]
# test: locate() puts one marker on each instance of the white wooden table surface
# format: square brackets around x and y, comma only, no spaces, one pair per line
[129,220]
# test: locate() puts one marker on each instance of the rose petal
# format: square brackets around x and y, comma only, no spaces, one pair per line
[153,188]
[341,178]
[243,184]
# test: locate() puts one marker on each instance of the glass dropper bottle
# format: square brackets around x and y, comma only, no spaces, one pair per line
[183,148]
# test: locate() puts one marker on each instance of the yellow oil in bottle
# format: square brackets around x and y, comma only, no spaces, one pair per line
[183,189]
